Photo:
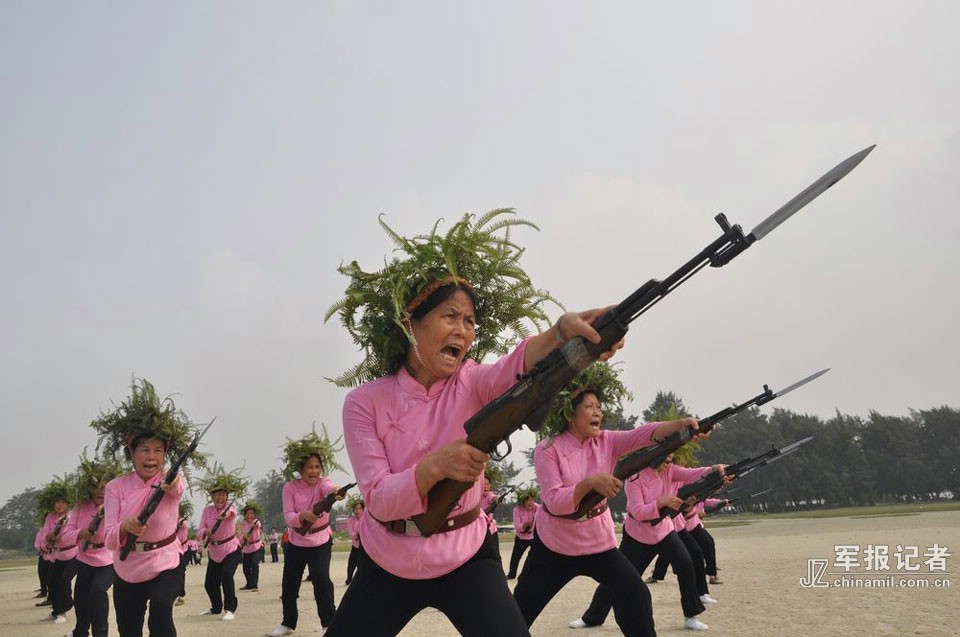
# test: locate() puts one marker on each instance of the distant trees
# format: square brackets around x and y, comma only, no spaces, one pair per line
[18,520]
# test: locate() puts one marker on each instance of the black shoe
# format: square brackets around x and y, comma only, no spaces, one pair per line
[45,602]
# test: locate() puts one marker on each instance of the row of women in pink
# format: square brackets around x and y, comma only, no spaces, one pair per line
[404,433]
[218,529]
[568,466]
[149,574]
[649,492]
[95,574]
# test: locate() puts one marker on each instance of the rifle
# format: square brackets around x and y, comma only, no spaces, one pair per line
[493,507]
[51,544]
[632,463]
[528,401]
[157,495]
[326,504]
[713,509]
[713,481]
[216,525]
[246,536]
[92,527]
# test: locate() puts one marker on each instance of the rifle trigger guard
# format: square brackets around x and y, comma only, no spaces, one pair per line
[497,456]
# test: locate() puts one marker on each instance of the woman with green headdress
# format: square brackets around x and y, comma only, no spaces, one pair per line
[578,457]
[218,530]
[147,429]
[524,519]
[310,538]
[95,574]
[425,322]
[54,502]
[251,541]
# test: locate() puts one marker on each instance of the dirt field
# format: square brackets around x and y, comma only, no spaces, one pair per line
[762,566]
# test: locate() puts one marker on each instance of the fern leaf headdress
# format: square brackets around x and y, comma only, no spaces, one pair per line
[60,488]
[296,452]
[603,379]
[523,493]
[144,413]
[255,506]
[219,479]
[94,474]
[476,252]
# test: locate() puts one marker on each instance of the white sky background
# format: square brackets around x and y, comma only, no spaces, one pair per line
[178,184]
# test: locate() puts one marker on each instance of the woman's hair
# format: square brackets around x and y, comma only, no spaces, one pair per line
[576,400]
[138,440]
[440,295]
[306,458]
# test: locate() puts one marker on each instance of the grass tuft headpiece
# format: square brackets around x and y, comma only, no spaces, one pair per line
[145,415]
[523,493]
[296,452]
[219,479]
[186,509]
[352,501]
[60,488]
[93,474]
[255,506]
[476,253]
[603,379]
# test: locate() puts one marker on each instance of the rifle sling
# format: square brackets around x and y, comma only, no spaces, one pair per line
[407,527]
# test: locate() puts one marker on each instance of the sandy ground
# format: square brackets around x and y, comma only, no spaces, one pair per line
[761,567]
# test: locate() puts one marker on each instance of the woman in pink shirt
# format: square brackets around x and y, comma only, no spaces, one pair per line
[62,554]
[524,516]
[353,528]
[186,555]
[310,537]
[251,539]
[85,529]
[218,530]
[417,319]
[569,466]
[147,429]
[647,493]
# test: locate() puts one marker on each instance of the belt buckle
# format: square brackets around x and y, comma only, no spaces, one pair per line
[410,528]
[139,547]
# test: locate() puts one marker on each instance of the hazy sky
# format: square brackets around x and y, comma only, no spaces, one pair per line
[179,182]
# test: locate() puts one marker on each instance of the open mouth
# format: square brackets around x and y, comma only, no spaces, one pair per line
[451,352]
[595,423]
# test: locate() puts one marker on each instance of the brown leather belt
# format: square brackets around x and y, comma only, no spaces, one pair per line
[219,542]
[57,549]
[311,531]
[141,547]
[408,527]
[592,513]
[92,546]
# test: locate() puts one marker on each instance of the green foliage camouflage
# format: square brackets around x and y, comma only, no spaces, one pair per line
[353,501]
[252,504]
[93,474]
[296,452]
[144,413]
[531,491]
[60,488]
[477,249]
[603,378]
[218,478]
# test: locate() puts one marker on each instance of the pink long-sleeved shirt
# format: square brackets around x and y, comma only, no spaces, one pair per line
[563,462]
[226,531]
[253,543]
[299,496]
[61,550]
[80,519]
[522,517]
[353,528]
[390,424]
[126,496]
[642,494]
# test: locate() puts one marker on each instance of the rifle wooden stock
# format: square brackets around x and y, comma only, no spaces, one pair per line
[325,504]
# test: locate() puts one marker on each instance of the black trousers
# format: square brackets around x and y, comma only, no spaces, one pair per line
[295,559]
[251,569]
[709,548]
[43,572]
[61,581]
[92,601]
[130,603]
[474,597]
[696,554]
[519,548]
[352,562]
[640,555]
[546,572]
[273,553]
[220,578]
[185,558]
